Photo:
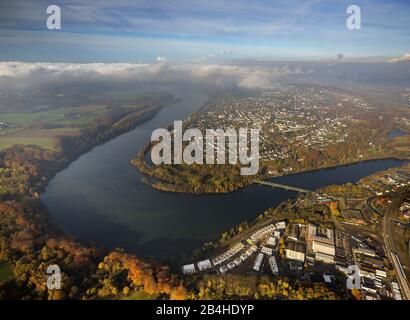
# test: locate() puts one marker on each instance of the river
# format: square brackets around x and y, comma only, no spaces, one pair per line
[100,199]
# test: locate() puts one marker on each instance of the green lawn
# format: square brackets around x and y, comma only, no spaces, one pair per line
[6,271]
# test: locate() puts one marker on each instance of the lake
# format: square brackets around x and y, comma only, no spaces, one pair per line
[396,133]
[100,200]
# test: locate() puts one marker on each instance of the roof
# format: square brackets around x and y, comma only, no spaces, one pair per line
[320,234]
[188,268]
[295,246]
[205,264]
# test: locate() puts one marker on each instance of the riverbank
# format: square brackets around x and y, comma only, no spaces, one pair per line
[45,164]
[31,240]
[193,179]
[287,144]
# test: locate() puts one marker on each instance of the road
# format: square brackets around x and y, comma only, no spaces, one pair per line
[391,212]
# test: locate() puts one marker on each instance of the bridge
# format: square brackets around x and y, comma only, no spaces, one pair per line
[282,186]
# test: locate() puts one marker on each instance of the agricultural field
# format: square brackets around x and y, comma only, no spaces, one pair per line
[35,125]
[40,128]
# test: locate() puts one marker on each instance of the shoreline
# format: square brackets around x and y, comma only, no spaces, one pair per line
[145,177]
[65,162]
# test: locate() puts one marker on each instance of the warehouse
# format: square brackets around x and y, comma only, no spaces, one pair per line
[322,247]
[295,251]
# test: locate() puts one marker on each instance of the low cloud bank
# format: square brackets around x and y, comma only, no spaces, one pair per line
[405,57]
[23,75]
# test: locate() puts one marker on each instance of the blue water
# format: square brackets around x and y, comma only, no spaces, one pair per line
[100,199]
[396,133]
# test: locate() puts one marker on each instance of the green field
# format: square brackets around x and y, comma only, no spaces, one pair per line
[7,142]
[76,117]
[66,120]
[6,271]
[40,128]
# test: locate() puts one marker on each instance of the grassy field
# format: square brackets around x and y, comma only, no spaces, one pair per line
[39,137]
[69,121]
[75,117]
[6,142]
[6,271]
[29,128]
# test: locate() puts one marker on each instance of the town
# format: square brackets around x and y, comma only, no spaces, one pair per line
[322,252]
[291,117]
[302,128]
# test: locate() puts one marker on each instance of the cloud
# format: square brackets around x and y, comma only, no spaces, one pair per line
[219,54]
[23,75]
[405,57]
[160,59]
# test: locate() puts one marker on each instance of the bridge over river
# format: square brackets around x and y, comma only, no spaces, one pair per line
[282,186]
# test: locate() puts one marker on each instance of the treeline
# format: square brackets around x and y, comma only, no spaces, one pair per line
[30,241]
[72,146]
[199,179]
[194,179]
[348,190]
[233,286]
[24,170]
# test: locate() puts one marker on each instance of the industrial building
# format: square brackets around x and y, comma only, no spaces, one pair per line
[273,265]
[188,269]
[320,245]
[258,262]
[295,251]
[204,265]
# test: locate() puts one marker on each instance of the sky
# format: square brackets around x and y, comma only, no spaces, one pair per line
[145,31]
